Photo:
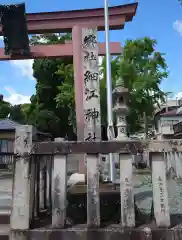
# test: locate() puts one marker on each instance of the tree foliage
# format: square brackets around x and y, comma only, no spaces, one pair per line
[142,68]
[17,113]
[52,107]
[5,109]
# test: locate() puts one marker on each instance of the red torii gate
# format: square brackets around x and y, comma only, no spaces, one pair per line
[67,21]
[74,21]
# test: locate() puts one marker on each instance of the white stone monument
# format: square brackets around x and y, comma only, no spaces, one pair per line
[91,94]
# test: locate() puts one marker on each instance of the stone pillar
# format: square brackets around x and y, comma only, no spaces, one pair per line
[87,98]
[91,91]
[160,192]
[22,201]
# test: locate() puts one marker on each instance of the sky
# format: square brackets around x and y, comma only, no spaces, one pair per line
[158,19]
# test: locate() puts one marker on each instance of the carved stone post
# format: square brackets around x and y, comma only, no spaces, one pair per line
[85,56]
[91,96]
[22,190]
[91,90]
[126,191]
[160,192]
[59,193]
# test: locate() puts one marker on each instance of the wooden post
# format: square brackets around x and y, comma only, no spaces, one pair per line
[20,215]
[160,194]
[59,191]
[93,201]
[126,191]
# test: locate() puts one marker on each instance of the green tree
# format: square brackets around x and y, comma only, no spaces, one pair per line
[5,109]
[66,97]
[24,111]
[142,69]
[18,113]
[51,108]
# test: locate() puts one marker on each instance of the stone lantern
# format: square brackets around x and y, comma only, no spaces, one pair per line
[120,96]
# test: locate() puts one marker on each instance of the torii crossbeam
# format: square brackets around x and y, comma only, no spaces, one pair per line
[58,50]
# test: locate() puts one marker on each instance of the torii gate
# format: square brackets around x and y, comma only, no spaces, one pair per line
[74,22]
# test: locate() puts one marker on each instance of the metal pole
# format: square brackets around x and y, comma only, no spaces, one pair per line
[110,129]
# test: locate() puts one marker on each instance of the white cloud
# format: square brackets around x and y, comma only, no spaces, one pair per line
[14,97]
[177,25]
[177,96]
[25,66]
